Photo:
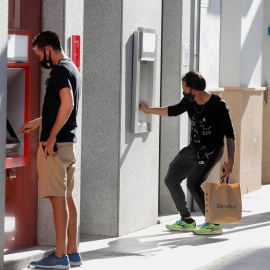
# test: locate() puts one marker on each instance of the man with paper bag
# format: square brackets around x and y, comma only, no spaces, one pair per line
[210,122]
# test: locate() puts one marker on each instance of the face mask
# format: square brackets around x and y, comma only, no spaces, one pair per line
[46,63]
[189,96]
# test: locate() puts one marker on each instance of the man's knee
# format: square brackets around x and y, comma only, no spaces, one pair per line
[168,181]
[193,186]
[172,181]
[57,201]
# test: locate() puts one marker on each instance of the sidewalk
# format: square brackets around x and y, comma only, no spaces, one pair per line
[241,246]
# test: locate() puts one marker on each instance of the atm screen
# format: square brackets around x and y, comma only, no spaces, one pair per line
[12,141]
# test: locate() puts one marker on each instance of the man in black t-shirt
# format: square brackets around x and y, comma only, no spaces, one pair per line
[56,153]
[210,122]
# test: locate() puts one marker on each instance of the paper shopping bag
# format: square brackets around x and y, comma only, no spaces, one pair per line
[223,203]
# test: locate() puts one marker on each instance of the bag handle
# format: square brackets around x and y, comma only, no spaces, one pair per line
[222,179]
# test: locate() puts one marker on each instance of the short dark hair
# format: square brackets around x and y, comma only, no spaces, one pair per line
[47,38]
[194,80]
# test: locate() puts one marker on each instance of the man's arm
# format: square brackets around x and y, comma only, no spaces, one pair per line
[158,111]
[228,167]
[28,127]
[65,109]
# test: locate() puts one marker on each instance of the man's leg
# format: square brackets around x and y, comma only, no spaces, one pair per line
[60,213]
[72,245]
[179,169]
[198,175]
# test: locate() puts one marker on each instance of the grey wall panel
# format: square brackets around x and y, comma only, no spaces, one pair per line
[174,131]
[139,156]
[101,117]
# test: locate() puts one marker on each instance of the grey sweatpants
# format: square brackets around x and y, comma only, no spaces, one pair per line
[186,165]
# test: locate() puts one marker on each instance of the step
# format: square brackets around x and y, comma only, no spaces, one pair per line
[20,259]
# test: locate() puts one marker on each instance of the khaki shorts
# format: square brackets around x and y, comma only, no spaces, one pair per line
[56,172]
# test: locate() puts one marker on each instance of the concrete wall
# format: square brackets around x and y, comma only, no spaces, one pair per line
[174,130]
[119,169]
[56,16]
[3,102]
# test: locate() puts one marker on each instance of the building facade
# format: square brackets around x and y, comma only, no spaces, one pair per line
[120,174]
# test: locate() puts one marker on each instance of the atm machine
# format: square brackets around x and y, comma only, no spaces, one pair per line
[17,146]
[144,77]
[18,90]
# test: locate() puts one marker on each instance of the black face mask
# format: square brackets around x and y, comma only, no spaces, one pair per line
[189,96]
[48,64]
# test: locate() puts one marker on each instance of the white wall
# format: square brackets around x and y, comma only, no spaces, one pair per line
[266,107]
[251,43]
[210,43]
[230,46]
[266,43]
[241,43]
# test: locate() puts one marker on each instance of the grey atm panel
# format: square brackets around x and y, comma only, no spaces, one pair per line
[144,77]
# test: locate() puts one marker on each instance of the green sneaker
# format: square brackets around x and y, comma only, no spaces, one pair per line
[209,228]
[181,225]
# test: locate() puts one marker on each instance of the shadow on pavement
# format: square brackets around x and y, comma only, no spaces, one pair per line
[140,246]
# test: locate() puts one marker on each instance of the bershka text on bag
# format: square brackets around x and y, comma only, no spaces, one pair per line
[226,206]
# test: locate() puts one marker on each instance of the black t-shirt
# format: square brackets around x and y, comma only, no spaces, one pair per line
[63,74]
[209,122]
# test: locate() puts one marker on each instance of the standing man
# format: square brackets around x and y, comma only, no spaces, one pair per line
[210,122]
[56,152]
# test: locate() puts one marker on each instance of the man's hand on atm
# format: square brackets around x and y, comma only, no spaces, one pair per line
[28,127]
[158,111]
[143,107]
